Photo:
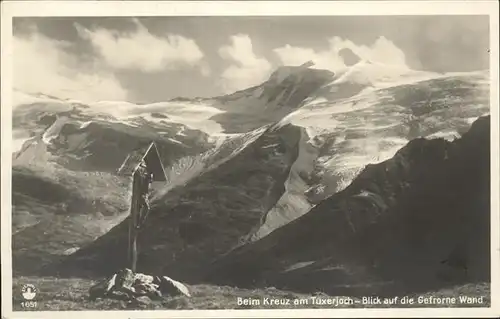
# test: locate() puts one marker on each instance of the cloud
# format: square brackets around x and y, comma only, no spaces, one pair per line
[41,65]
[247,69]
[381,51]
[140,50]
[205,69]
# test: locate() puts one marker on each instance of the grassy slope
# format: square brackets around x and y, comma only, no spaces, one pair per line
[71,294]
[55,210]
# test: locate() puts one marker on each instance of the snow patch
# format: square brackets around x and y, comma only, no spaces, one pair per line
[299,265]
[471,120]
[70,251]
[175,141]
[19,138]
[449,135]
[85,124]
[181,131]
[270,145]
[53,131]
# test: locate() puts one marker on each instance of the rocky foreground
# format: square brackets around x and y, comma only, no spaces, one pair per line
[137,288]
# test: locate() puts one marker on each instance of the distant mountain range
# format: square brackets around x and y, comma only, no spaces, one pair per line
[310,181]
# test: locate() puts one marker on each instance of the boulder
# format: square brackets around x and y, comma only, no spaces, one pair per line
[142,278]
[172,287]
[125,280]
[102,289]
[144,285]
[147,289]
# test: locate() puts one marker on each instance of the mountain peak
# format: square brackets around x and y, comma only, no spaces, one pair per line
[300,72]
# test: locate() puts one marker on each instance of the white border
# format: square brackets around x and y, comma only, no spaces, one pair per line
[243,8]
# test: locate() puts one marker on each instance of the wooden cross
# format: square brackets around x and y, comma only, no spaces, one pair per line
[139,209]
[142,166]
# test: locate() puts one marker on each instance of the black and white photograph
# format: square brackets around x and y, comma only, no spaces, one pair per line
[246,162]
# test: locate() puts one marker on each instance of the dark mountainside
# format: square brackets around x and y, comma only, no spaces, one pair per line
[201,220]
[287,88]
[404,225]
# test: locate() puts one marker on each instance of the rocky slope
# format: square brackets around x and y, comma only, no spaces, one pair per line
[404,225]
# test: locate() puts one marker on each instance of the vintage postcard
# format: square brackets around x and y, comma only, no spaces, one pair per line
[250,159]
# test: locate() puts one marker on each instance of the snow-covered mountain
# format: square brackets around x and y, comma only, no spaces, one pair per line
[343,135]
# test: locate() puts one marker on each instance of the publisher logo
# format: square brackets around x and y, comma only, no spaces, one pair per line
[29,292]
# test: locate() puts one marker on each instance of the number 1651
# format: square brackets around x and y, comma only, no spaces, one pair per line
[29,304]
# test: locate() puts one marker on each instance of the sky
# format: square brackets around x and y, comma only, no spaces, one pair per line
[152,59]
